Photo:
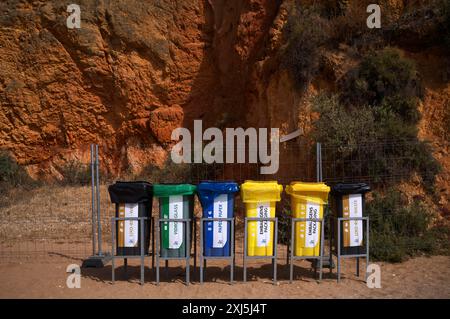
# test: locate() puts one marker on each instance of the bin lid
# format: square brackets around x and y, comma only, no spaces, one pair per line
[225,187]
[130,192]
[350,188]
[257,191]
[300,187]
[166,190]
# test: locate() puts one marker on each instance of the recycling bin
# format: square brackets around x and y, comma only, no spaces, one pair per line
[348,201]
[307,201]
[132,199]
[217,200]
[260,199]
[176,201]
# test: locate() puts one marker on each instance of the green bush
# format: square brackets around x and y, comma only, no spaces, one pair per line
[11,173]
[384,78]
[171,172]
[399,230]
[445,10]
[374,121]
[75,173]
[305,32]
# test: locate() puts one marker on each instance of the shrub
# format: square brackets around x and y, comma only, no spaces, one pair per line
[399,230]
[386,79]
[374,121]
[305,32]
[75,173]
[11,173]
[171,172]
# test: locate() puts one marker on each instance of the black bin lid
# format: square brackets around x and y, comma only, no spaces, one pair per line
[130,192]
[350,188]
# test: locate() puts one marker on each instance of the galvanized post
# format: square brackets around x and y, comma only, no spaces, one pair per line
[188,250]
[194,235]
[201,250]
[331,233]
[339,250]
[291,253]
[141,224]
[113,235]
[93,200]
[152,226]
[322,243]
[275,252]
[99,225]
[232,252]
[245,250]
[157,250]
[367,247]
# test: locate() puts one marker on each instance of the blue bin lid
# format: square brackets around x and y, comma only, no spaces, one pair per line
[225,187]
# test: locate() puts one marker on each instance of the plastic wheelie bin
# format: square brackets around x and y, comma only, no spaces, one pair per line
[217,199]
[260,199]
[132,199]
[348,201]
[176,201]
[307,201]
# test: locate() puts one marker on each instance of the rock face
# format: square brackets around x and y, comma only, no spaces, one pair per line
[137,69]
[134,71]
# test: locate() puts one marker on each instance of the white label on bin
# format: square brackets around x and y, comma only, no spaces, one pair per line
[175,229]
[263,227]
[220,229]
[312,231]
[131,226]
[356,226]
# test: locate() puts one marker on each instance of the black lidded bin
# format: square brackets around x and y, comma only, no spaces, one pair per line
[132,199]
[349,201]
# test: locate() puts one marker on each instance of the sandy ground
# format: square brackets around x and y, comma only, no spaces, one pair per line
[422,277]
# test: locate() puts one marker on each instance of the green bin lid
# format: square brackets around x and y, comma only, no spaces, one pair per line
[166,190]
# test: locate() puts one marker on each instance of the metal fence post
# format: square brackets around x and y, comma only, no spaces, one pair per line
[93,200]
[99,224]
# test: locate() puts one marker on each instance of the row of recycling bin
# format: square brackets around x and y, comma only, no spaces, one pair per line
[176,201]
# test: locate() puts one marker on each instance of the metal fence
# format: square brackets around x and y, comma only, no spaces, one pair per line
[55,220]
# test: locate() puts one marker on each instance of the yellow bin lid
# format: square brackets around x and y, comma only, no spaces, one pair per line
[301,187]
[257,191]
[317,192]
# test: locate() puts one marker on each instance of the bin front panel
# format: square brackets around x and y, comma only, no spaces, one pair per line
[352,231]
[173,234]
[307,201]
[260,233]
[307,234]
[128,232]
[217,234]
[349,203]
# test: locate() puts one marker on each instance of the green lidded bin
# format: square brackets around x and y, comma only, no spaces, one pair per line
[176,201]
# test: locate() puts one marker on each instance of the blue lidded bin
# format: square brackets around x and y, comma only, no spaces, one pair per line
[217,199]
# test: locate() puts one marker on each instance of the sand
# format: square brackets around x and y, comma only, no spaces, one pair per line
[421,277]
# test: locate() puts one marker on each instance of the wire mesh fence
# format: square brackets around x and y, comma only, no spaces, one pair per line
[55,220]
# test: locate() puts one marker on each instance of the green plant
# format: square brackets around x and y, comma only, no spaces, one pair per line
[399,230]
[305,32]
[385,78]
[11,173]
[75,173]
[374,121]
[171,172]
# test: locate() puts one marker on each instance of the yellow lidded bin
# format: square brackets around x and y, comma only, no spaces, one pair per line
[307,201]
[260,198]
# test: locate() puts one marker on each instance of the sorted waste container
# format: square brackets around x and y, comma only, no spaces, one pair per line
[307,201]
[260,199]
[176,201]
[217,200]
[348,201]
[132,199]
